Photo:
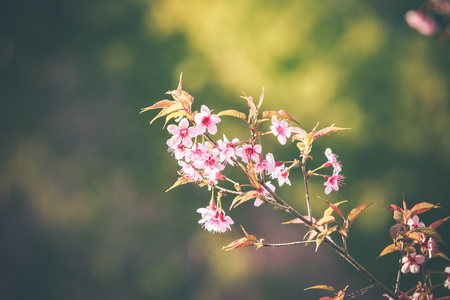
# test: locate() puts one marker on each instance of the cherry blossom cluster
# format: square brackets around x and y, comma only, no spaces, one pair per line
[203,160]
[432,17]
[418,244]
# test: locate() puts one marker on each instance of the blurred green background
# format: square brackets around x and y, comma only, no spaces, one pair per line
[83,213]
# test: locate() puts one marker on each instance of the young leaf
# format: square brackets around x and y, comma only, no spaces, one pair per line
[328,130]
[168,110]
[422,207]
[251,173]
[233,113]
[431,233]
[239,199]
[356,211]
[182,180]
[438,222]
[322,221]
[321,287]
[394,231]
[323,235]
[281,113]
[335,208]
[329,210]
[391,248]
[394,208]
[159,104]
[174,115]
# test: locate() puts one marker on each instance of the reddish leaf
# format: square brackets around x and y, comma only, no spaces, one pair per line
[394,230]
[422,207]
[247,241]
[329,210]
[335,208]
[394,208]
[438,222]
[159,104]
[328,130]
[239,199]
[356,211]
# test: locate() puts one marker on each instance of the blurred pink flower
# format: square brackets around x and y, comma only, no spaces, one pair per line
[423,24]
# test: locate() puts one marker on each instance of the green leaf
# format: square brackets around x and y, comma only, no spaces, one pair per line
[431,233]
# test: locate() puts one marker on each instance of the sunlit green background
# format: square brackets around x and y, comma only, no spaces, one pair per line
[83,213]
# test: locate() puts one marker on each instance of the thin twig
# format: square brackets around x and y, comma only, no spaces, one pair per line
[359,292]
[288,244]
[308,203]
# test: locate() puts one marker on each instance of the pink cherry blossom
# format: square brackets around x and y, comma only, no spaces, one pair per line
[431,248]
[281,174]
[214,219]
[447,281]
[181,134]
[280,129]
[179,151]
[411,263]
[227,150]
[414,223]
[198,152]
[249,152]
[333,183]
[204,120]
[267,165]
[263,192]
[332,161]
[423,24]
[190,171]
[210,163]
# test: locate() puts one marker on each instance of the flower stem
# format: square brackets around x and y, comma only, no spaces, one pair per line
[305,179]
